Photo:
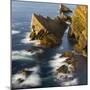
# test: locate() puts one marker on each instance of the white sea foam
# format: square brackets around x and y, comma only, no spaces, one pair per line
[57,56]
[34,69]
[67,28]
[16,78]
[22,54]
[57,61]
[32,80]
[65,79]
[70,82]
[67,22]
[26,40]
[15,32]
[31,42]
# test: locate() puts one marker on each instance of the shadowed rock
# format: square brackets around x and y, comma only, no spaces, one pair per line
[48,31]
[62,69]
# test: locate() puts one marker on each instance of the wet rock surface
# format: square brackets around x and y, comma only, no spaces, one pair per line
[73,65]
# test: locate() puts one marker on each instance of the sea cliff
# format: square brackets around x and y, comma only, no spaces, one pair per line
[48,31]
[78,31]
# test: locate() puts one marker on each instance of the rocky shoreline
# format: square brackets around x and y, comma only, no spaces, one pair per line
[77,35]
[65,68]
[49,31]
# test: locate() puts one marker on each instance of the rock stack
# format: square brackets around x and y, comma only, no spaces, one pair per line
[65,13]
[48,31]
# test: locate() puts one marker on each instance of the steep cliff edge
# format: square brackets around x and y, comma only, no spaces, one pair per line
[78,32]
[48,31]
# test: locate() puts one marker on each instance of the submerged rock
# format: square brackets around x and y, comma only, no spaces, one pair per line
[20,80]
[25,72]
[29,50]
[79,29]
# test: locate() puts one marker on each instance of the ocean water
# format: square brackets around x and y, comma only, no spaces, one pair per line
[40,63]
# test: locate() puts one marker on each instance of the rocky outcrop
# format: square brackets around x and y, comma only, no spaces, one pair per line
[62,69]
[78,32]
[75,66]
[48,31]
[67,54]
[64,9]
[65,13]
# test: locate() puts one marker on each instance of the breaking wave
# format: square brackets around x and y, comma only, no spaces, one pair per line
[23,54]
[63,79]
[27,40]
[31,80]
[15,32]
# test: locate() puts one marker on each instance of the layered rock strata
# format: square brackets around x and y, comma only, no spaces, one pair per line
[48,31]
[78,32]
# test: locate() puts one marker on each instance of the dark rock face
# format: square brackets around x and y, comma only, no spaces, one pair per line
[62,69]
[64,9]
[48,31]
[78,32]
[25,72]
[65,13]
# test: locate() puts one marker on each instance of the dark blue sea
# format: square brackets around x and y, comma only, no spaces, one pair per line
[39,63]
